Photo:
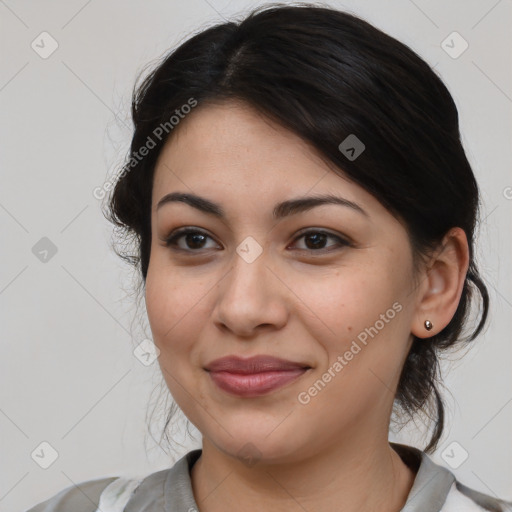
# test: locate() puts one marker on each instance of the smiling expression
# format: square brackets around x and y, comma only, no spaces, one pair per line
[265,271]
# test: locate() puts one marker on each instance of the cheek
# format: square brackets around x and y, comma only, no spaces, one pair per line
[360,316]
[178,304]
[173,318]
[171,304]
[345,302]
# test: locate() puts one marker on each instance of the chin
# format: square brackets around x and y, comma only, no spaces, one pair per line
[256,446]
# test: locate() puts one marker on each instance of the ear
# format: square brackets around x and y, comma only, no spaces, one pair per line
[441,284]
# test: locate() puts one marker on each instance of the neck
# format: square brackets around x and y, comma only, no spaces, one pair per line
[347,477]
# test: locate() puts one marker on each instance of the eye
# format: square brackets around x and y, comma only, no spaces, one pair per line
[194,239]
[315,240]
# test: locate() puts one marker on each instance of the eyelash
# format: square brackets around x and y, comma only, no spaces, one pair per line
[171,240]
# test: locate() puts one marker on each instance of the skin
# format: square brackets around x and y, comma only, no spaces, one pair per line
[206,302]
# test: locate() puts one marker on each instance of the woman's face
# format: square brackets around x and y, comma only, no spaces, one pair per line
[338,299]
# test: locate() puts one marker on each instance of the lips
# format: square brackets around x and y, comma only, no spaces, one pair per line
[254,376]
[255,364]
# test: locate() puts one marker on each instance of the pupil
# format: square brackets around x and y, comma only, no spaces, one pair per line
[195,236]
[320,237]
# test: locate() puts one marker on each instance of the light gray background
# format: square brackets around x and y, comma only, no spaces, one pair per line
[68,375]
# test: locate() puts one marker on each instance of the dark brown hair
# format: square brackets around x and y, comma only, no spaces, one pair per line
[325,74]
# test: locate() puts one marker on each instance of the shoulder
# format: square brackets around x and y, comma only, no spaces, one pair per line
[83,497]
[127,493]
[436,488]
[462,498]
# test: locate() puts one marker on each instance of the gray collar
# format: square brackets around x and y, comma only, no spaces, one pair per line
[428,493]
[432,482]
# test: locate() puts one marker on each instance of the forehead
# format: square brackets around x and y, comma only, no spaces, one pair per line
[232,150]
[226,135]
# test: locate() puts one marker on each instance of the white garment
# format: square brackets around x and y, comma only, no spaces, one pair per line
[117,494]
[435,489]
[458,502]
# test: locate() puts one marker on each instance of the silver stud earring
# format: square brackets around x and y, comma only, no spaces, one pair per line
[428,325]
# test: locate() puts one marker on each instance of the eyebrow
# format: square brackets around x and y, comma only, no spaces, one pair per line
[281,210]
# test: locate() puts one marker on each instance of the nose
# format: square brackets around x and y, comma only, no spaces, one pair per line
[251,298]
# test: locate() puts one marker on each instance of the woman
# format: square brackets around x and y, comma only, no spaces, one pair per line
[303,214]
